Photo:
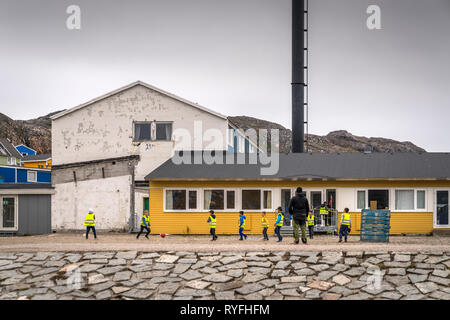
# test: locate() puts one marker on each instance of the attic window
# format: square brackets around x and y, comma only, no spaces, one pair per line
[152,131]
[142,131]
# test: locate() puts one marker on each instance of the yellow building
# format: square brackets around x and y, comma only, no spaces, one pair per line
[40,161]
[415,187]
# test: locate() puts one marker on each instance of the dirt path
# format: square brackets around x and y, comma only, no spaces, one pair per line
[108,242]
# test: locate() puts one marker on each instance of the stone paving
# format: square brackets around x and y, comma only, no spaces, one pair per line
[266,275]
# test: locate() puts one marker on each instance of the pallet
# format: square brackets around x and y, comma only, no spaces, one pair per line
[375,225]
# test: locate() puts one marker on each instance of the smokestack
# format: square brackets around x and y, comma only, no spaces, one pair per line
[298,77]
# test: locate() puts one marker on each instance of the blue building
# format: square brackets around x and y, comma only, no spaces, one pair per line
[25,151]
[14,174]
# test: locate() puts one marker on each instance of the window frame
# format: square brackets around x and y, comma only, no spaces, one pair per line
[162,122]
[393,198]
[28,176]
[261,204]
[187,200]
[134,130]
[225,200]
[415,200]
[16,213]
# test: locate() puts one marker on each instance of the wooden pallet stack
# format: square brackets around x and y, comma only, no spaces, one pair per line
[375,225]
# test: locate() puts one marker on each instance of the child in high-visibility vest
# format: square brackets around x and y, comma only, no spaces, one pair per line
[89,223]
[279,223]
[346,225]
[242,225]
[212,224]
[145,225]
[310,223]
[265,226]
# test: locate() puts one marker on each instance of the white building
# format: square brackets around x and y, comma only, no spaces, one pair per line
[103,149]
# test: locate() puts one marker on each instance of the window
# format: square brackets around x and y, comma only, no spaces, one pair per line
[404,199]
[267,199]
[192,199]
[163,131]
[214,199]
[410,199]
[175,199]
[32,176]
[251,199]
[361,200]
[331,198]
[142,131]
[8,213]
[231,199]
[420,199]
[11,161]
[380,197]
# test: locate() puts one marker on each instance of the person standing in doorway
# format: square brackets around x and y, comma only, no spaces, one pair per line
[324,213]
[89,223]
[299,208]
[145,225]
[212,220]
[346,225]
[265,226]
[310,222]
[242,226]
[279,223]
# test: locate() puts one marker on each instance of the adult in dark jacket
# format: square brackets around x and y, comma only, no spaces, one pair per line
[299,208]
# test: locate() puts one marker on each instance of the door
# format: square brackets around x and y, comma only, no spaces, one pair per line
[8,215]
[285,198]
[442,210]
[315,199]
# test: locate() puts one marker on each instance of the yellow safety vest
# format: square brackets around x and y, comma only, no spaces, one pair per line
[323,210]
[212,222]
[243,223]
[310,220]
[346,221]
[144,220]
[265,223]
[90,220]
[280,224]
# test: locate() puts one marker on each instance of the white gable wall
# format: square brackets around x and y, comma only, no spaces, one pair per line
[104,129]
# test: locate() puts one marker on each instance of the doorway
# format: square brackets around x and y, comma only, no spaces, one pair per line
[8,216]
[441,219]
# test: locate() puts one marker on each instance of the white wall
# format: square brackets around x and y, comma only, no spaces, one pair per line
[110,199]
[104,129]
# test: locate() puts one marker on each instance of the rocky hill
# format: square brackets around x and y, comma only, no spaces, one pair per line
[337,141]
[36,133]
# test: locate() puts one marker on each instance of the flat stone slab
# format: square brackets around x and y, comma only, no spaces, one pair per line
[217,278]
[341,279]
[165,258]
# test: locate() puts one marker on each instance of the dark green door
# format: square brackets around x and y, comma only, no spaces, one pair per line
[146,204]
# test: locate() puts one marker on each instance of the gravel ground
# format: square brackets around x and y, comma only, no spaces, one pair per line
[113,241]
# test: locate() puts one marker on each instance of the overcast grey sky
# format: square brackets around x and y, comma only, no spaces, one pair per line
[234,56]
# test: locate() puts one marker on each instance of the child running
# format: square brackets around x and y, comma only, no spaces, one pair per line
[279,223]
[265,226]
[242,226]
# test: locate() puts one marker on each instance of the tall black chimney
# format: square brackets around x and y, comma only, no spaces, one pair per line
[298,78]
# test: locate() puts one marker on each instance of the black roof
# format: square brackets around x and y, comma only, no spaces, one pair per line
[26,186]
[37,157]
[10,149]
[320,166]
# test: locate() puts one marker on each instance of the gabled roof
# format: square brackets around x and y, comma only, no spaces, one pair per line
[316,166]
[9,148]
[37,157]
[131,85]
[22,145]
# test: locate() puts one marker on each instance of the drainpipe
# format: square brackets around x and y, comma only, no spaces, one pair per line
[132,220]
